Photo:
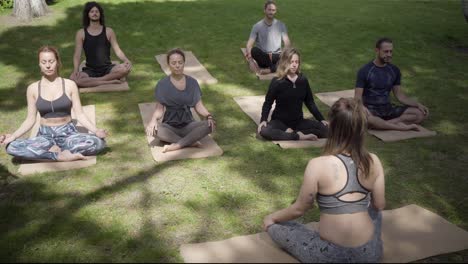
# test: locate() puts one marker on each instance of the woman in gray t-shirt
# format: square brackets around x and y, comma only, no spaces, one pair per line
[175,95]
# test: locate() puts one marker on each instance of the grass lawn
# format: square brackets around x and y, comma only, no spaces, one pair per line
[130,208]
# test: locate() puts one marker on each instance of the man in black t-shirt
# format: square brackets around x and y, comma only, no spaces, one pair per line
[374,83]
[96,40]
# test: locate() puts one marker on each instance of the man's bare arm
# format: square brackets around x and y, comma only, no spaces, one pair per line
[401,96]
[249,47]
[79,38]
[286,41]
[115,45]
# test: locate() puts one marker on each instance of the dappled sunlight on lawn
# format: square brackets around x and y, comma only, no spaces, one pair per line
[130,208]
[423,70]
[448,128]
[308,66]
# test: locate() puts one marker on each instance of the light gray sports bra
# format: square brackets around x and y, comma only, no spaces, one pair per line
[332,204]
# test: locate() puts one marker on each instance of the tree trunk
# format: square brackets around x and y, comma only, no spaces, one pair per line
[465,9]
[38,8]
[24,10]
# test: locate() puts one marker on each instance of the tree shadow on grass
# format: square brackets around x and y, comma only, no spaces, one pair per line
[137,36]
[151,28]
[5,176]
[38,216]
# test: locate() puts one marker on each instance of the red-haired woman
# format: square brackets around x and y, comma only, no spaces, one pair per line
[54,98]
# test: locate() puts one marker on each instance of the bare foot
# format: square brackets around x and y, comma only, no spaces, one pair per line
[115,82]
[409,127]
[289,130]
[414,127]
[164,150]
[66,155]
[303,136]
[2,137]
[55,148]
[170,147]
[254,66]
[197,144]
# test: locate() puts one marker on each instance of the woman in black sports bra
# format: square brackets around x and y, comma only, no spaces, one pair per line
[54,98]
[348,184]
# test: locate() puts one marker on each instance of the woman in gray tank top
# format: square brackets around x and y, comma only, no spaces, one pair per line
[54,98]
[348,184]
[175,95]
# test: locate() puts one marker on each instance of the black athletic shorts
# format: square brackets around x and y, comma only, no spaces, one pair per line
[98,72]
[387,111]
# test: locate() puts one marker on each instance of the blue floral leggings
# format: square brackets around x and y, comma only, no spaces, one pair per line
[66,137]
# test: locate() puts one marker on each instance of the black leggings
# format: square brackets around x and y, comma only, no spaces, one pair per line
[276,130]
[263,59]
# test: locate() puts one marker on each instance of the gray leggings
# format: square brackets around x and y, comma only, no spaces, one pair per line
[184,136]
[307,246]
[66,137]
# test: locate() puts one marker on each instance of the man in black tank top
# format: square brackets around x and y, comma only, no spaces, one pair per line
[96,40]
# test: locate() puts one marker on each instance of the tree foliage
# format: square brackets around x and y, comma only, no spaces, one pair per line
[6,4]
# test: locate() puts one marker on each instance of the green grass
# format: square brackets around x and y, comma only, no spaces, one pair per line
[129,208]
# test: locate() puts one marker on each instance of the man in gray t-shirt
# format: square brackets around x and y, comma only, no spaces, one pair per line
[267,35]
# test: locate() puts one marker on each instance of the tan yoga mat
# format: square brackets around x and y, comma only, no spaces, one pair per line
[252,106]
[193,68]
[409,233]
[263,77]
[385,135]
[31,167]
[209,147]
[330,98]
[123,86]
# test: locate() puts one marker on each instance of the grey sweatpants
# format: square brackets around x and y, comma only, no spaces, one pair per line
[184,136]
[307,246]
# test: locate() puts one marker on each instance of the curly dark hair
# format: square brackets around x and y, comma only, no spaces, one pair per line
[88,6]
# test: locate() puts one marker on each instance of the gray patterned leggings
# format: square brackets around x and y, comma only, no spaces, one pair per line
[66,137]
[307,246]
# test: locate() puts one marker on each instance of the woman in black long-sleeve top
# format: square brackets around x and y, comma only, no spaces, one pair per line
[290,90]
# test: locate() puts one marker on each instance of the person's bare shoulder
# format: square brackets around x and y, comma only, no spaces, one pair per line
[80,35]
[376,167]
[321,163]
[80,32]
[375,159]
[33,89]
[109,30]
